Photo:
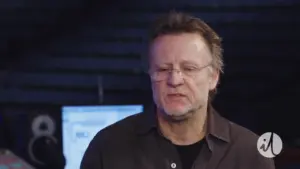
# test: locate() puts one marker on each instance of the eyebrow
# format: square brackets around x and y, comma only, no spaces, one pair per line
[182,62]
[171,65]
[189,62]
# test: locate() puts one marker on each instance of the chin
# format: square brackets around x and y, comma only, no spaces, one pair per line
[177,108]
[176,111]
[177,116]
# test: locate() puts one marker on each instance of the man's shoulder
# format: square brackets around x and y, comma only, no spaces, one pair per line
[122,129]
[232,131]
[244,144]
[244,140]
[241,133]
[114,142]
[241,138]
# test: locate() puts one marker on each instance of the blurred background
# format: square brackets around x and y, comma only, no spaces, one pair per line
[57,53]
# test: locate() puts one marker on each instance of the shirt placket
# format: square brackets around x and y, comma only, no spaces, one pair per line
[203,158]
[169,153]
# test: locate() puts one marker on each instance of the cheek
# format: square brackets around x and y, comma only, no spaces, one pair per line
[157,89]
[199,89]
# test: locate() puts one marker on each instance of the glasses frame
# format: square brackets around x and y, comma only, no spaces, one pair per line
[170,71]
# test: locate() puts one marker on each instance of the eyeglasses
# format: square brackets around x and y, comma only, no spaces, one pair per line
[161,74]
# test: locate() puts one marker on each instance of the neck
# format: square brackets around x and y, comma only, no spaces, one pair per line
[185,132]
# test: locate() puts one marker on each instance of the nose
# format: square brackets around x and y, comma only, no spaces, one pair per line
[175,78]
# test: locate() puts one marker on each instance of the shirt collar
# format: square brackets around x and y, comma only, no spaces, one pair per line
[217,126]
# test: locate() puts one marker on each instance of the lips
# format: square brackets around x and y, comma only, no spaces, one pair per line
[176,95]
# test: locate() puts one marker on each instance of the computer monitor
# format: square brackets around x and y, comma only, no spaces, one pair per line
[81,123]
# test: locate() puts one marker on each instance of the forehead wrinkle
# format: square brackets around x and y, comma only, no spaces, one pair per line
[169,48]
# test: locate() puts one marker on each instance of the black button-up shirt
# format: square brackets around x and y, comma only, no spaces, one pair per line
[135,143]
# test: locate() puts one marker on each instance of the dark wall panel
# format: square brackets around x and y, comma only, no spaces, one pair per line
[260,38]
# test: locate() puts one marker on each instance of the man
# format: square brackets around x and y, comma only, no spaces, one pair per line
[184,131]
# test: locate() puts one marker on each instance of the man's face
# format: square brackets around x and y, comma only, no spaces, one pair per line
[184,75]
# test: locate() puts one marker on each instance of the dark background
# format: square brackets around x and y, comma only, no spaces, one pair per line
[54,52]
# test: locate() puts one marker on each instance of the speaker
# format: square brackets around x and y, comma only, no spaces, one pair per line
[36,134]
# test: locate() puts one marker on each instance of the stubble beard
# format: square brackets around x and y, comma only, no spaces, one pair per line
[180,117]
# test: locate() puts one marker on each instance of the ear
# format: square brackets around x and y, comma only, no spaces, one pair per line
[214,79]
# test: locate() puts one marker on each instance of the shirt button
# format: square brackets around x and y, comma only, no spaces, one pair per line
[173,165]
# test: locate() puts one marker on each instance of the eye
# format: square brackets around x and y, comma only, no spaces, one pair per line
[162,69]
[188,69]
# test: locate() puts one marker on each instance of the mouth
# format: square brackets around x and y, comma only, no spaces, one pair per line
[176,95]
